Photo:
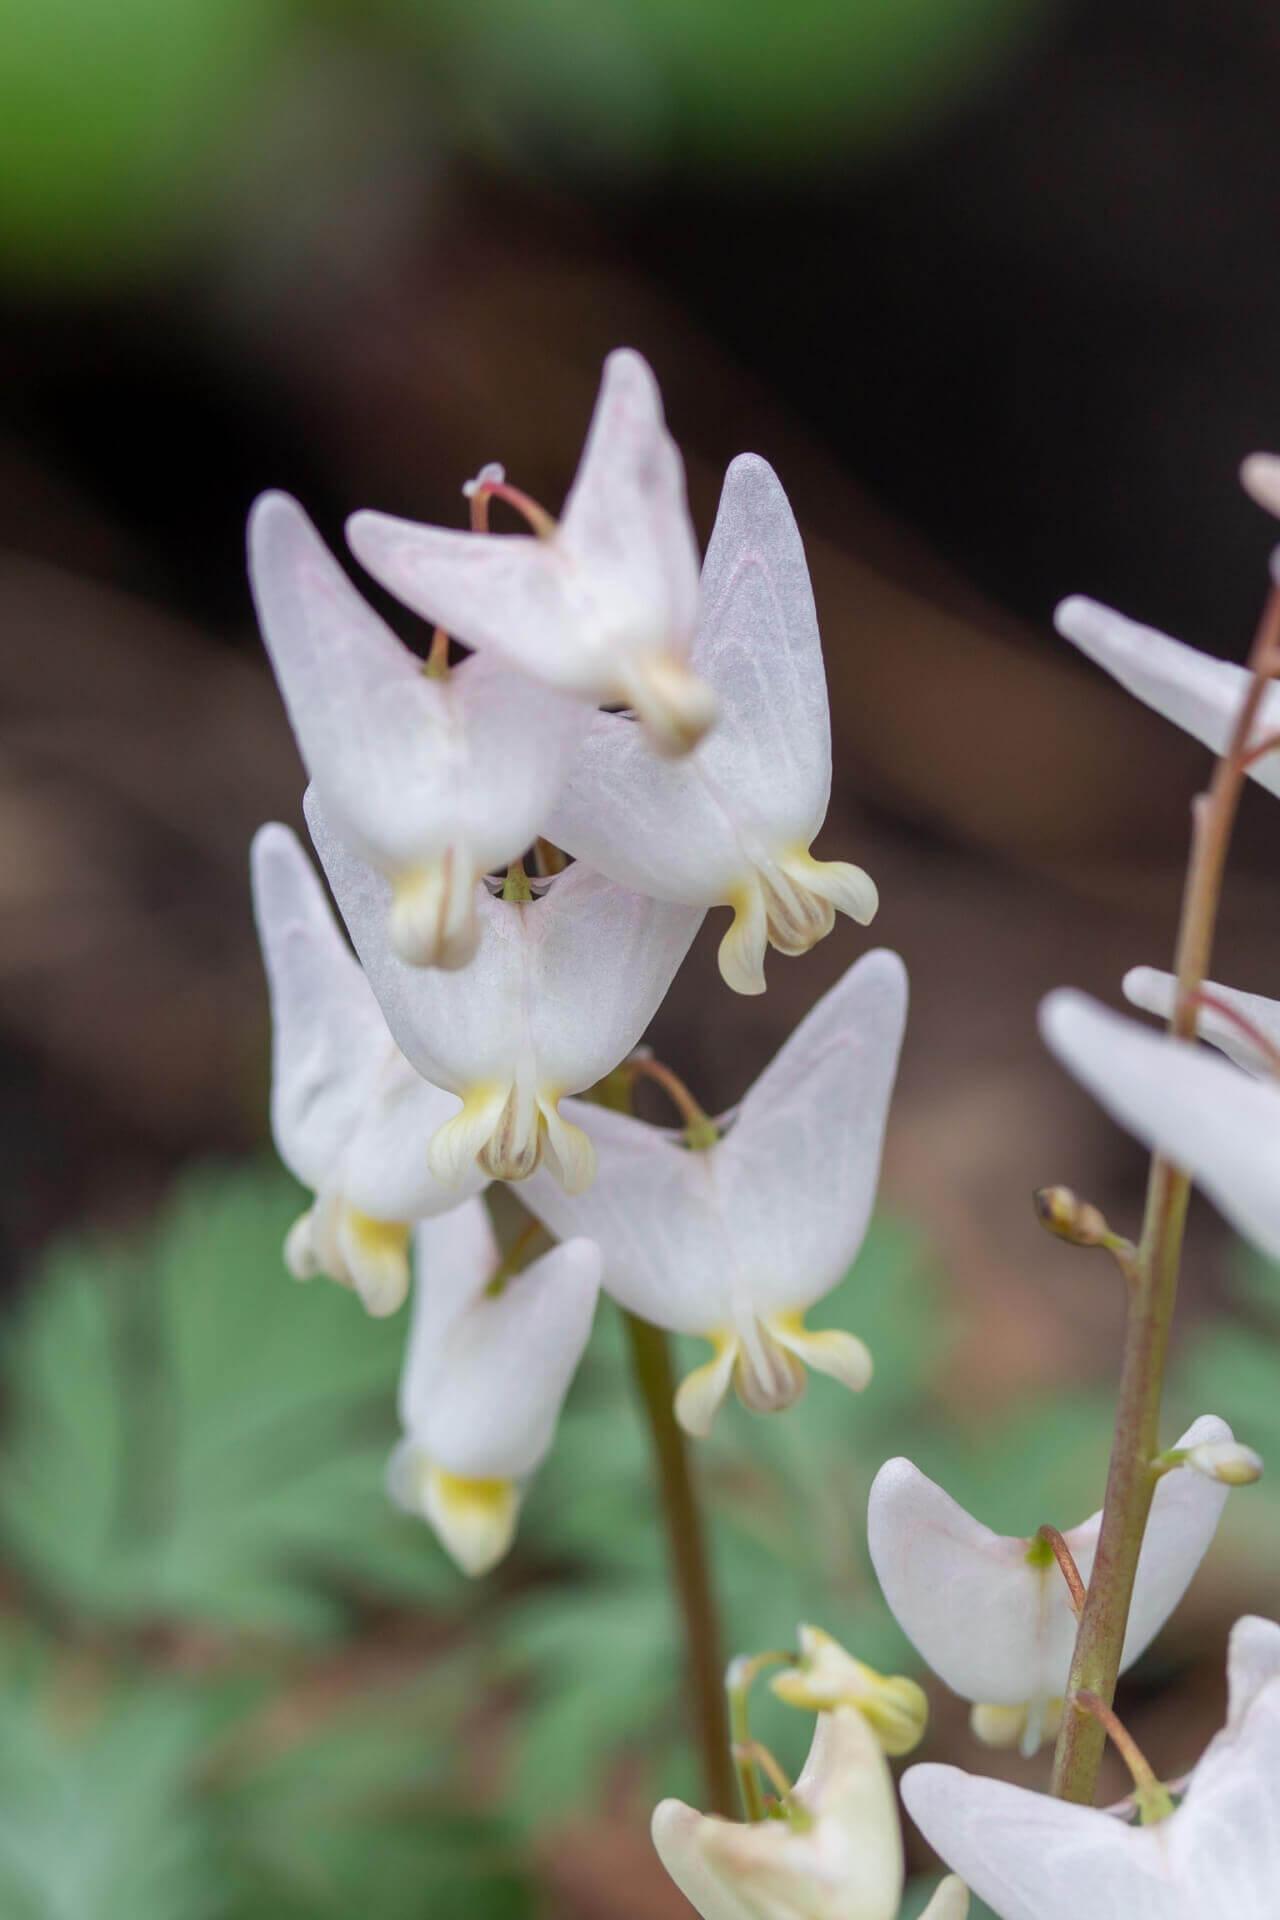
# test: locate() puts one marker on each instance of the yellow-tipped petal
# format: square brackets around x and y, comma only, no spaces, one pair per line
[571,1155]
[829,1350]
[701,1393]
[456,1146]
[376,1256]
[896,1708]
[844,887]
[744,946]
[950,1900]
[433,912]
[1025,1727]
[674,706]
[474,1519]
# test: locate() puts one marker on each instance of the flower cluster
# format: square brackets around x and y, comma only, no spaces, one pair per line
[484,995]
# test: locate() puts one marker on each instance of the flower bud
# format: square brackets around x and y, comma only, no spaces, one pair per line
[1064,1214]
[826,1677]
[1226,1461]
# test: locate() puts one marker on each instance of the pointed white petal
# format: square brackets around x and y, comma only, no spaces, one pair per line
[1034,1858]
[799,1166]
[602,960]
[1184,1518]
[990,1624]
[1228,1827]
[1222,1127]
[485,1374]
[679,1838]
[1155,992]
[950,1901]
[1194,690]
[653,1209]
[329,1041]
[1253,1662]
[1260,478]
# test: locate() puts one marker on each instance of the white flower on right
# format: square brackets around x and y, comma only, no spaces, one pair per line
[838,1856]
[731,824]
[561,988]
[735,1241]
[351,1118]
[1216,1857]
[489,1361]
[436,780]
[1220,1125]
[991,1613]
[1197,692]
[602,603]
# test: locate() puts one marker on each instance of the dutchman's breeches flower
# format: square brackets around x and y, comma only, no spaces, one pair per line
[351,1118]
[991,1613]
[434,775]
[1221,1125]
[735,1241]
[561,988]
[1217,1857]
[490,1359]
[731,825]
[602,603]
[833,1853]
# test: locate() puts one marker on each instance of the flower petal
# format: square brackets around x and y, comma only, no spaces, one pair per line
[329,1041]
[799,1166]
[745,944]
[1207,1116]
[1197,692]
[827,1350]
[701,1393]
[1156,992]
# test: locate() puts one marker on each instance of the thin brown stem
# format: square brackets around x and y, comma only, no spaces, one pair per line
[690,1566]
[540,521]
[1141,1771]
[1067,1563]
[1131,1480]
[1249,1029]
[698,1123]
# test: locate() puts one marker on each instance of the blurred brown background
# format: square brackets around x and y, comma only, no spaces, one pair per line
[994,286]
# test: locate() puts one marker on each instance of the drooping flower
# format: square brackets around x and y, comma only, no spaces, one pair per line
[351,1117]
[1035,1858]
[1220,1125]
[991,1613]
[561,988]
[735,1241]
[435,778]
[835,1854]
[489,1361]
[731,824]
[1245,1026]
[1197,692]
[826,1676]
[602,603]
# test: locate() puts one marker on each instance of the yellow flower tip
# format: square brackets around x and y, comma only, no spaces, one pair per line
[433,913]
[376,1257]
[671,702]
[701,1393]
[1026,1727]
[475,1520]
[1226,1461]
[742,950]
[827,1677]
[568,1149]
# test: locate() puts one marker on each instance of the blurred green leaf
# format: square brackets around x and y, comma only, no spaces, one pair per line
[191,1437]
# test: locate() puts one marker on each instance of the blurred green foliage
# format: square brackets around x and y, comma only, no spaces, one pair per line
[257,1690]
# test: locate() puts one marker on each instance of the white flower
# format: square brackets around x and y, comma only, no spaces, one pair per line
[350,1116]
[991,1613]
[1157,992]
[488,1364]
[1194,690]
[838,1857]
[603,604]
[735,1241]
[434,779]
[1217,1857]
[731,824]
[560,989]
[1220,1125]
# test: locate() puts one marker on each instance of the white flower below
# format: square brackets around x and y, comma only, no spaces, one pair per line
[435,779]
[489,1361]
[991,1613]
[1199,693]
[731,824]
[1220,1125]
[734,1242]
[835,1852]
[560,989]
[351,1118]
[1218,1854]
[604,602]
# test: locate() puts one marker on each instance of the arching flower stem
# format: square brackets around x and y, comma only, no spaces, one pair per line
[738,1681]
[1151,1797]
[540,521]
[1066,1560]
[700,1129]
[1131,1480]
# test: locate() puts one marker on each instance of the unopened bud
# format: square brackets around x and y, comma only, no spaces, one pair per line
[1227,1461]
[826,1677]
[1025,1727]
[1063,1213]
[1260,478]
[492,474]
